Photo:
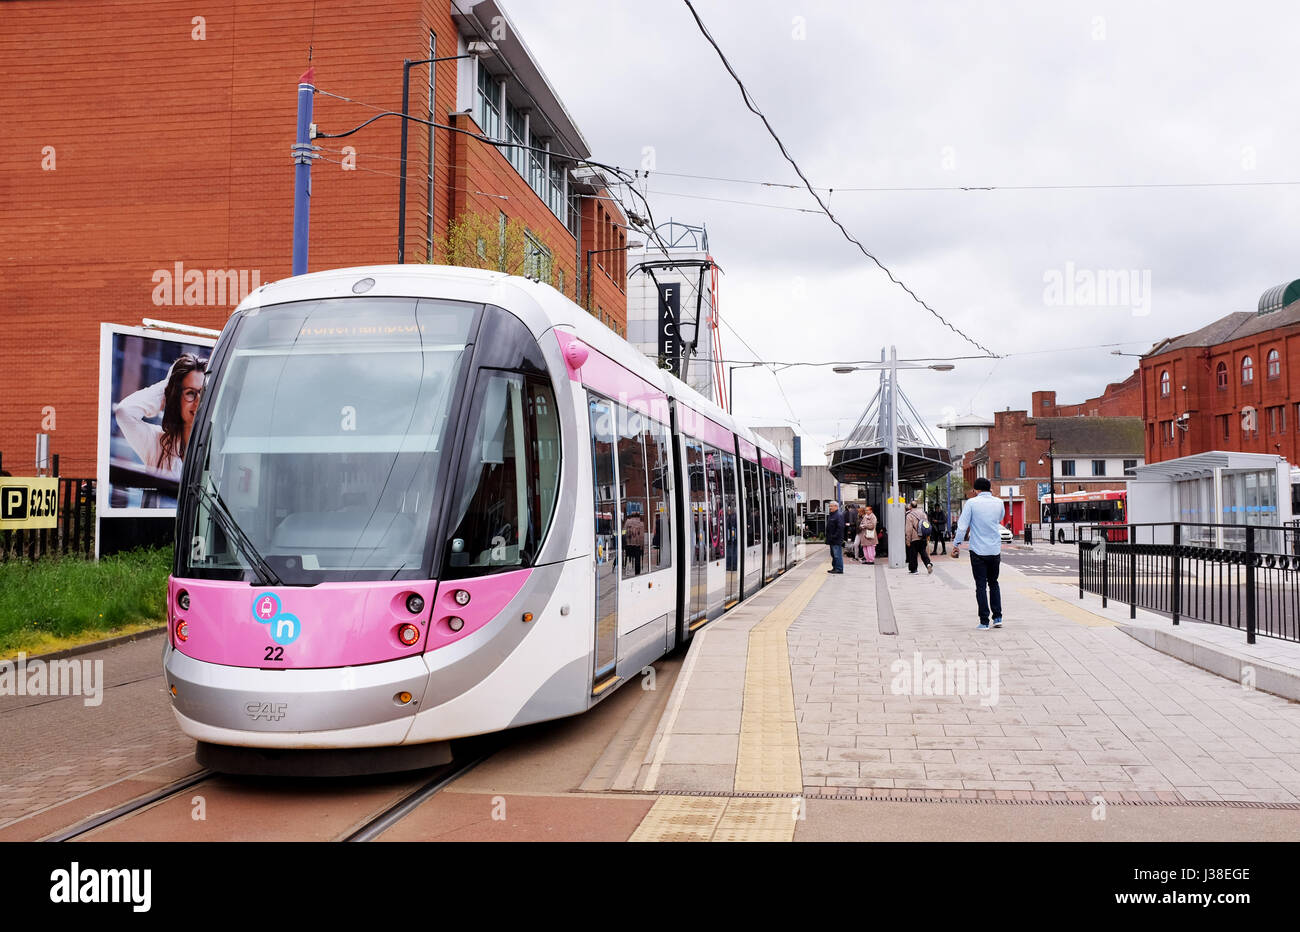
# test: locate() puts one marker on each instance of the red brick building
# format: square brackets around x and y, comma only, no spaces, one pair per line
[1089,452]
[1232,385]
[1120,399]
[145,134]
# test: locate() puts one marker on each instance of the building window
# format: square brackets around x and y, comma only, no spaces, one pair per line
[1277,420]
[997,470]
[1023,473]
[489,107]
[1247,370]
[1221,376]
[1167,431]
[1274,364]
[1225,422]
[501,240]
[1130,467]
[559,280]
[516,132]
[1067,467]
[1164,384]
[1099,467]
[537,258]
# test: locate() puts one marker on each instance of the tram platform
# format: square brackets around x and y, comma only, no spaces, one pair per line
[876,685]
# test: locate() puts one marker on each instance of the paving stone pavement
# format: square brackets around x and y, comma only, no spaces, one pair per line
[56,748]
[1059,700]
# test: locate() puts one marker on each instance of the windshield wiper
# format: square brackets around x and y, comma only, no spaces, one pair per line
[218,509]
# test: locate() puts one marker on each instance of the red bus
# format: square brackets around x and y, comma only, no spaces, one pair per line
[1104,506]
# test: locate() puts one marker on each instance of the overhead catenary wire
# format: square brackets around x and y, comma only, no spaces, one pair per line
[1058,186]
[749,103]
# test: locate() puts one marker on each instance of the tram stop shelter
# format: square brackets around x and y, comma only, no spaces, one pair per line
[1216,488]
[889,431]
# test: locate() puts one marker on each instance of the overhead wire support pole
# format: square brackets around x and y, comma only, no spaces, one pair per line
[303,155]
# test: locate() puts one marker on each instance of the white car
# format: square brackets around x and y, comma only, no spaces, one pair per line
[1006,533]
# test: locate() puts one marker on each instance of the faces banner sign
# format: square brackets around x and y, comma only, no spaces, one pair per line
[669,313]
[150,385]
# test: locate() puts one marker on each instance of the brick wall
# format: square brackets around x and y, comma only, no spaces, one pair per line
[1120,399]
[169,147]
[1193,388]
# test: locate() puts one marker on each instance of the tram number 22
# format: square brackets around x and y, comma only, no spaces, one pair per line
[274,652]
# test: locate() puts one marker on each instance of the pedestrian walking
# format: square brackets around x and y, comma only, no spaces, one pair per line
[982,519]
[867,536]
[938,533]
[835,537]
[916,536]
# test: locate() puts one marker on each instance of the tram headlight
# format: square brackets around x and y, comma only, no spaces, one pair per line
[408,634]
[415,603]
[183,600]
[461,597]
[455,623]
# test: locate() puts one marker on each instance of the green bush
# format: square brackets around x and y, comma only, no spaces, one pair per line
[67,597]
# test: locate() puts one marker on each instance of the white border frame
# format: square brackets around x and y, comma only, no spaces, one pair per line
[104,429]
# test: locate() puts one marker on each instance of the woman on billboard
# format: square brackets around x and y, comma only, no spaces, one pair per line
[176,398]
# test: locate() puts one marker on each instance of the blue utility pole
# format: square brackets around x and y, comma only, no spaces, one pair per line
[303,154]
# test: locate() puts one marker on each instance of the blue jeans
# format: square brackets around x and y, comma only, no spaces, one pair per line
[985,571]
[837,557]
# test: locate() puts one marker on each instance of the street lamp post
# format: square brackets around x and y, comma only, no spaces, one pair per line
[593,252]
[894,507]
[1051,485]
[407,65]
[731,371]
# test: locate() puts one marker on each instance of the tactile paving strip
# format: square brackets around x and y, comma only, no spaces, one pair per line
[767,759]
[719,818]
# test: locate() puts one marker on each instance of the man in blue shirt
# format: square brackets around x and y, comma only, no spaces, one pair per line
[982,517]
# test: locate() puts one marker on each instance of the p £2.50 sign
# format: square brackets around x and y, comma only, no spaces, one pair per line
[28,502]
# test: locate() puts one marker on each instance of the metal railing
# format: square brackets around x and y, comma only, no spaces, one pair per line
[1245,577]
[73,535]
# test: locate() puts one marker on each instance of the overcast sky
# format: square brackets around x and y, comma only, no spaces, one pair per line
[946,95]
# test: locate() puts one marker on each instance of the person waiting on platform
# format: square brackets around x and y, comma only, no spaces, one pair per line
[917,536]
[835,537]
[867,536]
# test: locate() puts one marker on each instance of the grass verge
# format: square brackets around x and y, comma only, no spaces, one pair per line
[55,603]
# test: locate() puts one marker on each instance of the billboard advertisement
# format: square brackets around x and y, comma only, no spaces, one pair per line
[150,384]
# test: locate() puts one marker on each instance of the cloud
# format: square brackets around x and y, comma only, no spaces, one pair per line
[948,95]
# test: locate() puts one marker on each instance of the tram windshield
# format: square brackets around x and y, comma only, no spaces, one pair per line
[321,453]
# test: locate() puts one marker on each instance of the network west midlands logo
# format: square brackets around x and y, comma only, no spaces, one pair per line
[267,610]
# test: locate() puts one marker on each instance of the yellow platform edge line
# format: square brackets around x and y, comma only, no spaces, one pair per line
[1066,610]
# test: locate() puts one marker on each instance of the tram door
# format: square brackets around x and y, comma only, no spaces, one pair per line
[731,527]
[606,551]
[716,575]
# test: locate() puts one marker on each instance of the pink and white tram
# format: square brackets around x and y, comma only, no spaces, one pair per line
[421,503]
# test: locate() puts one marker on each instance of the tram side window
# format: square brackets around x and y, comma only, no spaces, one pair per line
[633,433]
[509,477]
[753,506]
[695,469]
[731,521]
[659,525]
[717,514]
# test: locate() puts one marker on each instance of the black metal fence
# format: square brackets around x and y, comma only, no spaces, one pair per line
[1244,577]
[74,534]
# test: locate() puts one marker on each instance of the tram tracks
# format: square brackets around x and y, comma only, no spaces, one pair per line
[370,826]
